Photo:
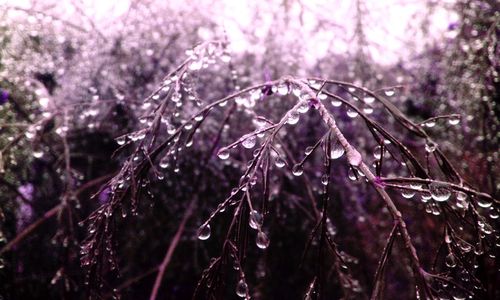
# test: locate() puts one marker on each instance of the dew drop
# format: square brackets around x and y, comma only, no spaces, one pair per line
[430,124]
[164,163]
[376,153]
[309,150]
[249,142]
[430,147]
[204,232]
[176,97]
[461,196]
[464,246]
[390,92]
[336,103]
[337,151]
[408,194]
[293,118]
[368,110]
[120,140]
[351,174]
[242,288]
[453,121]
[297,170]
[440,193]
[283,89]
[171,129]
[416,186]
[324,179]
[30,134]
[484,203]
[351,113]
[279,162]
[256,219]
[369,99]
[37,154]
[223,154]
[303,108]
[195,65]
[450,260]
[262,240]
[426,197]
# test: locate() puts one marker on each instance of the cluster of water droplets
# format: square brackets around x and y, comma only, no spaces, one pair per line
[98,247]
[206,54]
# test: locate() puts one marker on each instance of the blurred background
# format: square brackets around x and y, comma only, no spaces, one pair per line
[73,77]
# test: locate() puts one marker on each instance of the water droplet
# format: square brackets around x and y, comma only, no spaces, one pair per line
[376,153]
[171,129]
[336,103]
[408,194]
[440,193]
[324,179]
[176,97]
[283,89]
[204,232]
[453,121]
[430,147]
[309,150]
[416,186]
[351,113]
[30,134]
[196,65]
[430,124]
[262,240]
[256,219]
[389,92]
[484,203]
[337,151]
[37,154]
[369,99]
[450,260]
[486,228]
[293,118]
[297,170]
[426,197]
[461,196]
[279,162]
[464,246]
[121,140]
[249,142]
[242,288]
[351,174]
[164,162]
[223,154]
[368,110]
[303,108]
